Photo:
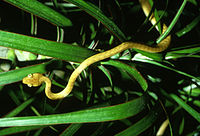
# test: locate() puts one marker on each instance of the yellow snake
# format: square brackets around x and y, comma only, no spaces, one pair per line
[37,79]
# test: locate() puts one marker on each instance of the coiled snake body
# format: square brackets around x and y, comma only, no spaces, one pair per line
[37,79]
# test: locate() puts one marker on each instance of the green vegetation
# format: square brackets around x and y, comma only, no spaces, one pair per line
[130,94]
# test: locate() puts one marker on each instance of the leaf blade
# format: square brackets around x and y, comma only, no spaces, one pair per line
[98,14]
[185,106]
[44,47]
[115,112]
[133,71]
[40,10]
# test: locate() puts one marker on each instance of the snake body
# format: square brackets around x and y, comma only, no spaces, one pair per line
[37,79]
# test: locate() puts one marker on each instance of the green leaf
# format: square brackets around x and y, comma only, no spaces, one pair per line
[40,10]
[71,130]
[142,124]
[98,14]
[172,24]
[14,130]
[167,67]
[185,106]
[44,47]
[182,124]
[107,73]
[189,27]
[20,108]
[18,74]
[109,113]
[154,56]
[131,70]
[185,50]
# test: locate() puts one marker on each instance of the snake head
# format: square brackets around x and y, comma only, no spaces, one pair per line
[33,79]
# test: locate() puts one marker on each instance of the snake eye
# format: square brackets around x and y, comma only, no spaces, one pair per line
[30,75]
[29,85]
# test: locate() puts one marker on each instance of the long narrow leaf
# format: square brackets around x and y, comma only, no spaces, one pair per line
[40,10]
[169,68]
[18,74]
[14,130]
[98,14]
[189,27]
[44,47]
[71,130]
[172,24]
[20,108]
[141,125]
[131,70]
[115,112]
[185,106]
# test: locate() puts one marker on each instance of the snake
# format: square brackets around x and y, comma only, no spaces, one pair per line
[36,79]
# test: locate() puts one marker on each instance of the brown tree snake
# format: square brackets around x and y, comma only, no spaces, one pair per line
[37,79]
